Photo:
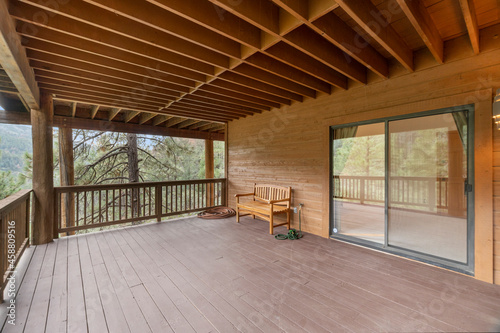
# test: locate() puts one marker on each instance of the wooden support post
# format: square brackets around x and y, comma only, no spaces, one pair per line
[43,169]
[158,202]
[67,177]
[209,170]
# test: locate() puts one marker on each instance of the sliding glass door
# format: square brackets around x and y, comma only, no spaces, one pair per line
[405,185]
[358,182]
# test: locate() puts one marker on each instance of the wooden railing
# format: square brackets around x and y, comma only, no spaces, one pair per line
[95,206]
[409,191]
[14,236]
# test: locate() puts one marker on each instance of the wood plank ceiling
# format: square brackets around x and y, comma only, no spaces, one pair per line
[197,64]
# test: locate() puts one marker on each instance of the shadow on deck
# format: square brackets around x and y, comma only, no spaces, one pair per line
[193,275]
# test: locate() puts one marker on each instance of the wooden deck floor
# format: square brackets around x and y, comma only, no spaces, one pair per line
[193,275]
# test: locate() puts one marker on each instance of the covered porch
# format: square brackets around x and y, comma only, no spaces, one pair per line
[194,275]
[274,80]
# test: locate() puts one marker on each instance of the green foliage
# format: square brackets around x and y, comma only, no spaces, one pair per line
[359,156]
[8,184]
[101,158]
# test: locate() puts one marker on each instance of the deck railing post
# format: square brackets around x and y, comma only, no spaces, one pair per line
[158,202]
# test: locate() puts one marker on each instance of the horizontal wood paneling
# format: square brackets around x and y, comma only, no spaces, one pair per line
[290,147]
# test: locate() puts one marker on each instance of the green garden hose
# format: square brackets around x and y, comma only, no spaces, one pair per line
[293,233]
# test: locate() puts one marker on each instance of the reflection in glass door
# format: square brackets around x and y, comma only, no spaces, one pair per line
[427,193]
[404,185]
[359,182]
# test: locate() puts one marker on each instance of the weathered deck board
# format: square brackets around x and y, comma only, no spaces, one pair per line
[192,275]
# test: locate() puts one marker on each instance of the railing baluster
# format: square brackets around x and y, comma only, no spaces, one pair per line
[123,205]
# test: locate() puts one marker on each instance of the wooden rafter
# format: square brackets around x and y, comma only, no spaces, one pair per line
[129,115]
[94,110]
[187,123]
[14,61]
[470,17]
[113,113]
[100,23]
[145,117]
[73,109]
[423,24]
[367,16]
[174,121]
[160,119]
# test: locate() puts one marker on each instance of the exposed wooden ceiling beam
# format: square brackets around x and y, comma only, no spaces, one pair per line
[336,31]
[260,13]
[368,17]
[180,111]
[123,95]
[298,60]
[179,74]
[14,60]
[318,8]
[100,93]
[275,80]
[305,39]
[73,109]
[139,80]
[163,20]
[22,12]
[113,113]
[230,108]
[279,68]
[238,96]
[87,17]
[160,119]
[175,121]
[94,110]
[121,88]
[187,123]
[207,127]
[129,115]
[250,91]
[192,113]
[258,85]
[197,125]
[145,117]
[110,100]
[215,18]
[175,83]
[423,24]
[470,16]
[227,99]
[320,49]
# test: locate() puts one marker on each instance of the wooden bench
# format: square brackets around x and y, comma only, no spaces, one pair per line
[267,201]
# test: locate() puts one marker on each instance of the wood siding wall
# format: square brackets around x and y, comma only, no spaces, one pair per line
[290,146]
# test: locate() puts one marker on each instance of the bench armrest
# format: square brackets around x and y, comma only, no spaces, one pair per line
[242,195]
[276,201]
[237,196]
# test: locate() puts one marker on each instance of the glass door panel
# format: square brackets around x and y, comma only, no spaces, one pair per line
[427,199]
[359,182]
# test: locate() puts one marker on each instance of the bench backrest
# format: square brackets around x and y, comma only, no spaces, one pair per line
[263,192]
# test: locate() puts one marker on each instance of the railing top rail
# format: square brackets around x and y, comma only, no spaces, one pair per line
[63,189]
[12,201]
[391,177]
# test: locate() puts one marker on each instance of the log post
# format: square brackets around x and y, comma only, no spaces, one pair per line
[67,177]
[209,170]
[43,169]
